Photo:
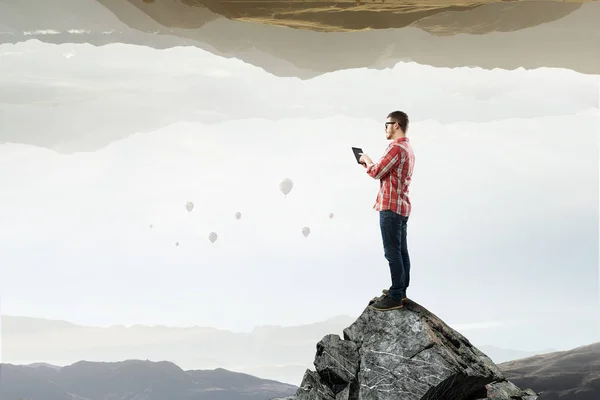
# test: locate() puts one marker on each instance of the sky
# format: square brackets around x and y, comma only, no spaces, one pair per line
[503,233]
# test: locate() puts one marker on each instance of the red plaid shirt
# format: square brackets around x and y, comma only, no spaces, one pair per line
[394,172]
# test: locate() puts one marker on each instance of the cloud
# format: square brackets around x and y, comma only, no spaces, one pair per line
[442,94]
[108,92]
[42,32]
[88,215]
[217,73]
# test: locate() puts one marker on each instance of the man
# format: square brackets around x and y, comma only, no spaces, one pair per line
[394,172]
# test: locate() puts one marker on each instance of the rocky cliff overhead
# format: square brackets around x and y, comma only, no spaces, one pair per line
[435,16]
[333,35]
[506,35]
[407,354]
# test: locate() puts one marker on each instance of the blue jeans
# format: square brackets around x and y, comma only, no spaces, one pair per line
[393,233]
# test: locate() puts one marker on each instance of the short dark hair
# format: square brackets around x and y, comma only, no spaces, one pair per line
[401,118]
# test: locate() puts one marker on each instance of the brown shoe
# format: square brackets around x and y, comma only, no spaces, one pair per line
[387,303]
[386,291]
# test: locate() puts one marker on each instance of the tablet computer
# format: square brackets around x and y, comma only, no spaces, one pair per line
[357,151]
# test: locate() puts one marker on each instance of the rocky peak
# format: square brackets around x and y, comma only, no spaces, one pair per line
[405,354]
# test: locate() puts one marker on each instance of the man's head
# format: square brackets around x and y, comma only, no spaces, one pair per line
[396,125]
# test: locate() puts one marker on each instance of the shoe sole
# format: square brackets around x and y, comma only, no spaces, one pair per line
[374,299]
[385,292]
[386,309]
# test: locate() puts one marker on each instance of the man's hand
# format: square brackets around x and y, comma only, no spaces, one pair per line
[365,160]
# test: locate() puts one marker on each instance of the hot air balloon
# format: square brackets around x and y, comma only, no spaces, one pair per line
[189,206]
[238,215]
[306,231]
[286,186]
[330,215]
[212,237]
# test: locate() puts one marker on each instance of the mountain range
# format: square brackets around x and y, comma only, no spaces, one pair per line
[274,352]
[133,379]
[566,375]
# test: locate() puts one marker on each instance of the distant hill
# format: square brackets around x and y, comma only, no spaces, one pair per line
[275,352]
[565,375]
[133,379]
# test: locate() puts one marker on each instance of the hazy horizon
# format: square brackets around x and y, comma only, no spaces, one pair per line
[269,352]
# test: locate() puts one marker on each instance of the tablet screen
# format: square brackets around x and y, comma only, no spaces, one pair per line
[357,151]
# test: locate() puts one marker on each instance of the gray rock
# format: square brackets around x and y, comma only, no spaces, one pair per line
[336,362]
[344,394]
[405,354]
[506,390]
[312,388]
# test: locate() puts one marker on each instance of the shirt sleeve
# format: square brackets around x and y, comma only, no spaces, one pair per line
[390,158]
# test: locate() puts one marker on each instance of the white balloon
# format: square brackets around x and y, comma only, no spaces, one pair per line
[212,237]
[238,215]
[286,186]
[306,231]
[330,215]
[189,206]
